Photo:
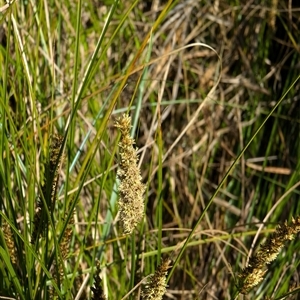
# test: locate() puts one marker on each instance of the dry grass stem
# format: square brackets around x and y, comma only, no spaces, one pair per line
[254,273]
[131,188]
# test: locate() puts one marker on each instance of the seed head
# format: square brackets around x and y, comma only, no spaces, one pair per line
[131,188]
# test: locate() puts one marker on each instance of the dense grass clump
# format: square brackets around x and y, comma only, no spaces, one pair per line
[149,150]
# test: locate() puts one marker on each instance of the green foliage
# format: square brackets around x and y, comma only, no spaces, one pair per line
[216,126]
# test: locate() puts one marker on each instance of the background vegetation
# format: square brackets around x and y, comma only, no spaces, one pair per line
[213,91]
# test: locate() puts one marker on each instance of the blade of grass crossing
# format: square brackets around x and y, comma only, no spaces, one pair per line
[141,88]
[75,75]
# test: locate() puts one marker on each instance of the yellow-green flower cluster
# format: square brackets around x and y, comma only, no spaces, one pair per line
[131,188]
[9,240]
[254,273]
[156,288]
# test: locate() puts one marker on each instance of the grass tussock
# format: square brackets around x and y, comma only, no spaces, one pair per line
[179,137]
